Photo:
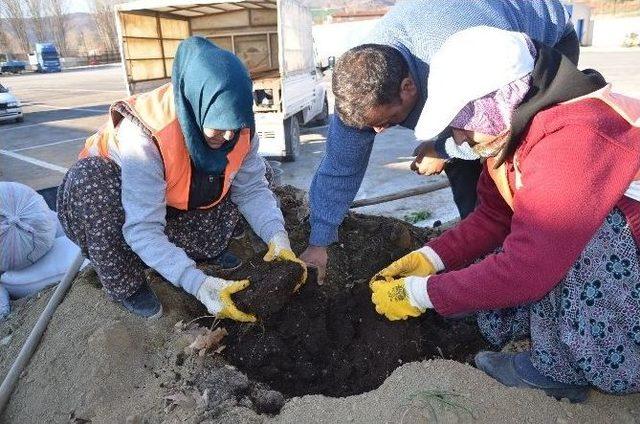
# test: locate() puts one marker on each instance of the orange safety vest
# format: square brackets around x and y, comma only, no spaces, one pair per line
[156,111]
[627,107]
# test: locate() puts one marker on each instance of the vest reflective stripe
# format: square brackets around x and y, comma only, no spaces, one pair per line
[627,107]
[501,180]
[155,110]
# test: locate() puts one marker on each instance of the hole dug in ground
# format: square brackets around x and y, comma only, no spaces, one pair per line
[328,339]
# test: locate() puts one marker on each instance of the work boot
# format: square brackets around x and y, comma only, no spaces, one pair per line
[144,303]
[516,370]
[227,261]
[238,231]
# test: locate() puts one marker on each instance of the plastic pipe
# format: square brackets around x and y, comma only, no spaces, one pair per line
[400,194]
[38,330]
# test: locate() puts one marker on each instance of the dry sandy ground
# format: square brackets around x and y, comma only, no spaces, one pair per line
[419,392]
[97,362]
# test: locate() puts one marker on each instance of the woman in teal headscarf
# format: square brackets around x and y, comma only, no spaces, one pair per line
[165,182]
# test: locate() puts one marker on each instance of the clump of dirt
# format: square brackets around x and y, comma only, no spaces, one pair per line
[271,285]
[328,339]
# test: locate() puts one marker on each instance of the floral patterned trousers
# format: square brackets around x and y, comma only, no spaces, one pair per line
[91,213]
[587,329]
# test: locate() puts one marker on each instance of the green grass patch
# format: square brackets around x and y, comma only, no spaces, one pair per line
[434,399]
[417,216]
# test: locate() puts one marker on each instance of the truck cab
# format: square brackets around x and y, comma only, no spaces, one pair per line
[273,38]
[45,58]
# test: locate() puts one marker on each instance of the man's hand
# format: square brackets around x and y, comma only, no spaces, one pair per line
[427,161]
[316,256]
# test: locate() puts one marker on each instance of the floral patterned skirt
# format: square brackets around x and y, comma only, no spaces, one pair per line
[587,329]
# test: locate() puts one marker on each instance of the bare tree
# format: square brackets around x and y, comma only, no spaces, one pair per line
[57,11]
[37,13]
[4,38]
[104,17]
[14,11]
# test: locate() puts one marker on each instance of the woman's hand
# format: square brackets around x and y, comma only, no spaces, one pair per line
[215,294]
[280,250]
[394,297]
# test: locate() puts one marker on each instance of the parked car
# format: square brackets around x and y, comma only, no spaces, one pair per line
[10,108]
[12,66]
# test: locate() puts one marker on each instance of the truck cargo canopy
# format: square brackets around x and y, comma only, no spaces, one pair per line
[150,31]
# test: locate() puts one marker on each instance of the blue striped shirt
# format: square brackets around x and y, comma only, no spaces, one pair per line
[416,28]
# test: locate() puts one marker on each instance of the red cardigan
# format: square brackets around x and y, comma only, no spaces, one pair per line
[576,161]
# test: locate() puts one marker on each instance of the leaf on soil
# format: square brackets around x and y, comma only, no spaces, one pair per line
[77,420]
[202,401]
[189,400]
[206,340]
[178,399]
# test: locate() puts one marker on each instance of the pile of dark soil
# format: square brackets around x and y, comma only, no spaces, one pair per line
[328,339]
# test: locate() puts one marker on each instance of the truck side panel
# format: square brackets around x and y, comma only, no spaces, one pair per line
[149,43]
[296,37]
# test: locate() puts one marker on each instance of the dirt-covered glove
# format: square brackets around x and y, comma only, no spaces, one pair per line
[280,250]
[400,298]
[415,263]
[215,294]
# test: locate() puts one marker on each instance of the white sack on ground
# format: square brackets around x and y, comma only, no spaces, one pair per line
[27,227]
[5,306]
[47,271]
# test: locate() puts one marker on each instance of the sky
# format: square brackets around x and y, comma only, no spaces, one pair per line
[78,6]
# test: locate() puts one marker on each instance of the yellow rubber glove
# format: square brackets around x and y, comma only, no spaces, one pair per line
[280,250]
[414,263]
[215,294]
[392,300]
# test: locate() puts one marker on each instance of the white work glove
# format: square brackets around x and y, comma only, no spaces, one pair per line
[280,250]
[215,294]
[417,295]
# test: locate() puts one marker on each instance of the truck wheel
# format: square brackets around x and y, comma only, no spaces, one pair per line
[291,138]
[20,119]
[323,117]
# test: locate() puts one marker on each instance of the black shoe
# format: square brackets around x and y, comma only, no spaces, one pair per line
[516,370]
[227,261]
[143,303]
[238,231]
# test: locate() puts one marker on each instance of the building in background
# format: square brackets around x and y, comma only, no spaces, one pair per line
[581,18]
[357,15]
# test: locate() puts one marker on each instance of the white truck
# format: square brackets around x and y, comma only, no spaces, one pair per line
[272,37]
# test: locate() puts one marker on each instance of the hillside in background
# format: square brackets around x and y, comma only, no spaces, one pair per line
[82,35]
